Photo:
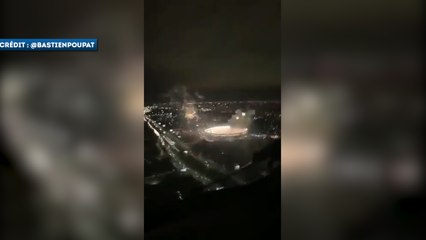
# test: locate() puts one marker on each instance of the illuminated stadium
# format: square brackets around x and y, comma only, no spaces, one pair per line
[224,132]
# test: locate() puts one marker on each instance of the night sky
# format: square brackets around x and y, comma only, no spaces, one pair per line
[225,50]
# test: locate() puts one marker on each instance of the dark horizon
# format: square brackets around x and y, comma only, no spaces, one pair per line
[267,94]
[222,49]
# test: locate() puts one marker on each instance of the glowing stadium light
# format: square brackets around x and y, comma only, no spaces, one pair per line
[224,132]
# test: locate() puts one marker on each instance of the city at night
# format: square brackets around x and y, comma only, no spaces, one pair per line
[207,145]
[212,119]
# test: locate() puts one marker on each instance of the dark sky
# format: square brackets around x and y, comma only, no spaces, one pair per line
[224,49]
